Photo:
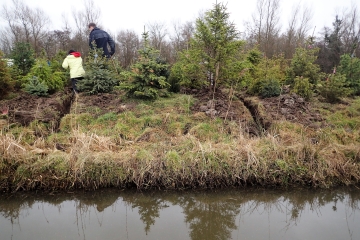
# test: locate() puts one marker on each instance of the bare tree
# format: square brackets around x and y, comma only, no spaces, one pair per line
[22,14]
[128,43]
[157,34]
[182,35]
[179,40]
[50,44]
[350,32]
[298,28]
[265,26]
[5,41]
[305,23]
[26,24]
[38,22]
[91,13]
[16,18]
[55,41]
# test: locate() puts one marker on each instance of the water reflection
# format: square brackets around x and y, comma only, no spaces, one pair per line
[235,214]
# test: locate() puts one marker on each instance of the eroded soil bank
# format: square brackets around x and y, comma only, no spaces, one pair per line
[196,140]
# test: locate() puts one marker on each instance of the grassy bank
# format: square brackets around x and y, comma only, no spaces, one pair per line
[165,145]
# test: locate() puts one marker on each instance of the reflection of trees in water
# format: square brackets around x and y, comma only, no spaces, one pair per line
[11,208]
[209,215]
[12,205]
[99,200]
[298,201]
[148,205]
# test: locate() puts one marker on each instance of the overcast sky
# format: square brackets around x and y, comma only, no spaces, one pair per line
[134,14]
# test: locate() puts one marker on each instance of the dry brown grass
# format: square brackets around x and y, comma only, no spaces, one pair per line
[170,151]
[93,161]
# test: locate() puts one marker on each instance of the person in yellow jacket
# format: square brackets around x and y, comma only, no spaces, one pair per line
[74,62]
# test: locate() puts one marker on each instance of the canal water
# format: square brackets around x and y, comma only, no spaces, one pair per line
[226,214]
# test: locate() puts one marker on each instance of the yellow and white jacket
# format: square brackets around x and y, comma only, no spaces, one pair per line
[74,62]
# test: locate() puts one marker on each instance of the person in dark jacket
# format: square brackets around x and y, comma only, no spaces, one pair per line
[102,40]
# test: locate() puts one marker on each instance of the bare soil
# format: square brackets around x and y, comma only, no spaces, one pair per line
[220,105]
[26,108]
[242,108]
[293,108]
[100,104]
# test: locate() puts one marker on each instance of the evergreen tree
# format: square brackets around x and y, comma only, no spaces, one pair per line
[217,38]
[334,88]
[303,65]
[214,56]
[5,78]
[23,56]
[148,79]
[44,74]
[334,43]
[303,88]
[36,87]
[98,78]
[350,67]
[331,47]
[265,75]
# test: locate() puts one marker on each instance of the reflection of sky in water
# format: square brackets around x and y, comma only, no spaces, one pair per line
[322,223]
[228,215]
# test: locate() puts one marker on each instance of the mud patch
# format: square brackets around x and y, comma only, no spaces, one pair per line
[229,109]
[100,104]
[26,108]
[220,105]
[293,108]
[260,113]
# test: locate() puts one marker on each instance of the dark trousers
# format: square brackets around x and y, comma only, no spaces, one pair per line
[74,82]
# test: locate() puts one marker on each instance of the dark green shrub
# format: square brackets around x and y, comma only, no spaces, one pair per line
[333,89]
[23,56]
[265,88]
[175,79]
[36,87]
[255,86]
[148,79]
[187,72]
[16,76]
[98,77]
[262,76]
[303,88]
[43,72]
[303,65]
[350,67]
[5,78]
[270,88]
